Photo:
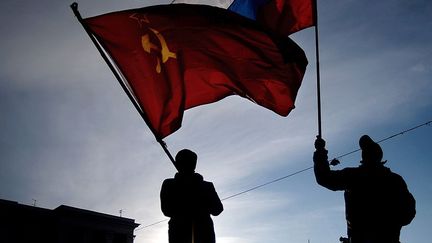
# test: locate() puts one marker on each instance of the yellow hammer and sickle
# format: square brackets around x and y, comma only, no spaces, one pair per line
[164,50]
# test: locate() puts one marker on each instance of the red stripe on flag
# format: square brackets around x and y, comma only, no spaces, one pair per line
[287,16]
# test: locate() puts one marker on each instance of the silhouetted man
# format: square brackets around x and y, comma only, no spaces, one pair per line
[189,200]
[377,201]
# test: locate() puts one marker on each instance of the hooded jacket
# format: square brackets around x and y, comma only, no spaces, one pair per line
[189,201]
[377,201]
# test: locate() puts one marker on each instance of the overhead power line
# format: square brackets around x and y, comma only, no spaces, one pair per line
[428,123]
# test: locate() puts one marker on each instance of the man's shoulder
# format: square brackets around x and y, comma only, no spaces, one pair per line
[207,183]
[204,183]
[395,177]
[168,181]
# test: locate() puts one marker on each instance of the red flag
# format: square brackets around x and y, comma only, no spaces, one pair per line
[282,16]
[287,16]
[175,57]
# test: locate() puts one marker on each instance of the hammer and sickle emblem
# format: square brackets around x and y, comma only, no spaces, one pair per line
[148,46]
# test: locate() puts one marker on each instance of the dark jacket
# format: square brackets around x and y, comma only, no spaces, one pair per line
[377,201]
[189,201]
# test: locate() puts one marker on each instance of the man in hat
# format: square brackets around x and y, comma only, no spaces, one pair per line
[189,201]
[377,201]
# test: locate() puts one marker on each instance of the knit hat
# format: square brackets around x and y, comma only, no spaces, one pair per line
[371,151]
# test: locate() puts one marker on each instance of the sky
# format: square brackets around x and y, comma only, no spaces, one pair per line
[70,136]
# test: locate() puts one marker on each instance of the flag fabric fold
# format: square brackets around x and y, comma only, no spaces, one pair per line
[282,16]
[175,57]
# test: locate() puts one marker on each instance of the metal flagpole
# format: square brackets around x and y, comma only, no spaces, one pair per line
[315,15]
[98,46]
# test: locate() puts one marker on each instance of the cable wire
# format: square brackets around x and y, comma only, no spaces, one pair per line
[428,123]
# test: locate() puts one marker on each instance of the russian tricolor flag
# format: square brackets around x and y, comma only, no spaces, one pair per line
[281,16]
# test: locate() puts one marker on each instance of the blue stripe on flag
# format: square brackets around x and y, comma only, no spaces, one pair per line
[247,8]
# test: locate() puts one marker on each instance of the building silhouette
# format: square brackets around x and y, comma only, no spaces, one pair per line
[23,224]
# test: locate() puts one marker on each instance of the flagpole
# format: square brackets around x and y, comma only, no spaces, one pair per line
[74,7]
[315,9]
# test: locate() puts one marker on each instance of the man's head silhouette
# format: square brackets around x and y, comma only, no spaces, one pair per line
[371,151]
[186,161]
